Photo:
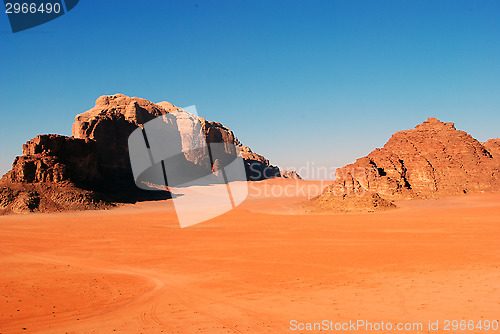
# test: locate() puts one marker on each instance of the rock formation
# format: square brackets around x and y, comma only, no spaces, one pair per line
[330,201]
[493,146]
[92,168]
[432,160]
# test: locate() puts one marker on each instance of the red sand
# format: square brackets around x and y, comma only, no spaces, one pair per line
[252,270]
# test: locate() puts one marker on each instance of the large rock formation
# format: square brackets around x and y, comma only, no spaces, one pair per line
[432,160]
[93,167]
[114,117]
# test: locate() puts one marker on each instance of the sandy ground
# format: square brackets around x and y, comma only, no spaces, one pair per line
[252,270]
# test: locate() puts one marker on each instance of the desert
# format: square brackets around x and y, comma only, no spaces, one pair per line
[209,167]
[251,270]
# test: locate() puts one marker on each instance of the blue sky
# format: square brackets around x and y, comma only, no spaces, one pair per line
[297,81]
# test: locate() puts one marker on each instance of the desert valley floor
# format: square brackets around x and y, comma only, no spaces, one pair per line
[251,270]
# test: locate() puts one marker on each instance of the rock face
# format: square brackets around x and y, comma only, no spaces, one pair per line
[54,158]
[94,163]
[432,160]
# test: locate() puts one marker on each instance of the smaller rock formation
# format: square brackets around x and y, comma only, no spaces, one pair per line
[349,203]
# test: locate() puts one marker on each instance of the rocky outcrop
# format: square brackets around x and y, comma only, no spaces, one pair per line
[493,147]
[432,160]
[50,176]
[55,158]
[329,201]
[47,197]
[257,167]
[290,174]
[94,163]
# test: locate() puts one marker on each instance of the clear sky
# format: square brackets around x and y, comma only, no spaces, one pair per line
[323,82]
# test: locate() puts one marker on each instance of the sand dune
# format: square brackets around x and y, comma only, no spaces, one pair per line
[252,270]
